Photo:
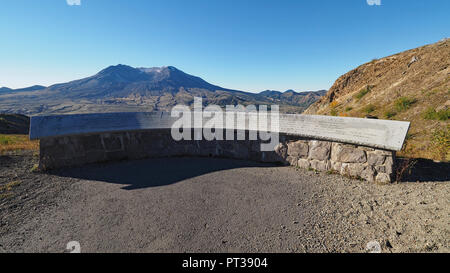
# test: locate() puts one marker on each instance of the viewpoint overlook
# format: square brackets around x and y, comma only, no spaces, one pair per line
[116,134]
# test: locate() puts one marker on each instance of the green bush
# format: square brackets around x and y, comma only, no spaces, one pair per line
[432,114]
[369,108]
[347,109]
[4,140]
[334,112]
[409,136]
[390,114]
[362,93]
[404,103]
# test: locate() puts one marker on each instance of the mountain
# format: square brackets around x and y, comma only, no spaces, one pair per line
[291,97]
[413,85]
[123,81]
[31,88]
[125,88]
[5,90]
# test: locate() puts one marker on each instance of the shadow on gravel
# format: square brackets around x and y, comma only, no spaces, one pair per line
[425,170]
[4,159]
[156,172]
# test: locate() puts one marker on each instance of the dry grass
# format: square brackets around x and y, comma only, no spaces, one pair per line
[9,186]
[5,190]
[440,143]
[11,143]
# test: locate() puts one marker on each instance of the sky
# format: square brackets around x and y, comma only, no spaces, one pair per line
[249,45]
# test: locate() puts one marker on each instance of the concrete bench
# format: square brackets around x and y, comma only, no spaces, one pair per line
[363,148]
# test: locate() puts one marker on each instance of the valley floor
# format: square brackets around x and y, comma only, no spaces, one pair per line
[213,205]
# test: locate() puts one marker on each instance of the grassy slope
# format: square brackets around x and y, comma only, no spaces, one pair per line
[12,143]
[394,88]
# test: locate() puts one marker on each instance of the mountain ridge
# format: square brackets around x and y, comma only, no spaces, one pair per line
[155,88]
[4,90]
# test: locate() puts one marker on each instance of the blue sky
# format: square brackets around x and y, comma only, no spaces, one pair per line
[249,45]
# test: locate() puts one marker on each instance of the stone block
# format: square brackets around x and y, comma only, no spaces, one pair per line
[336,166]
[389,165]
[112,142]
[293,161]
[91,142]
[375,159]
[281,150]
[304,163]
[368,173]
[352,169]
[383,178]
[380,169]
[298,149]
[347,154]
[321,165]
[319,150]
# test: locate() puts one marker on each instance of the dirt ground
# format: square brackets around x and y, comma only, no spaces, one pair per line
[214,205]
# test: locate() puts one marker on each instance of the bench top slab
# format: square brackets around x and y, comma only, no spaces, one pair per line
[383,134]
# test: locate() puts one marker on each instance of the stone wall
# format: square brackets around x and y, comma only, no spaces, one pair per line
[350,160]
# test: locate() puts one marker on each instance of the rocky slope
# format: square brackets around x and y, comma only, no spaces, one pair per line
[413,85]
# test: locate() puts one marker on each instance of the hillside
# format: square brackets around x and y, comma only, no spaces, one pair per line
[413,85]
[125,88]
[14,124]
[5,90]
[290,97]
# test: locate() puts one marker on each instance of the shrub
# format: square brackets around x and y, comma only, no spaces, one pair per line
[409,136]
[348,108]
[363,92]
[369,108]
[390,114]
[334,104]
[443,114]
[404,103]
[35,168]
[431,114]
[404,168]
[440,141]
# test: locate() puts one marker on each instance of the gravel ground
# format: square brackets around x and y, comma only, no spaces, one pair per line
[214,205]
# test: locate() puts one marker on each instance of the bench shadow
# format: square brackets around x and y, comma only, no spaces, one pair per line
[154,172]
[157,172]
[425,170]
